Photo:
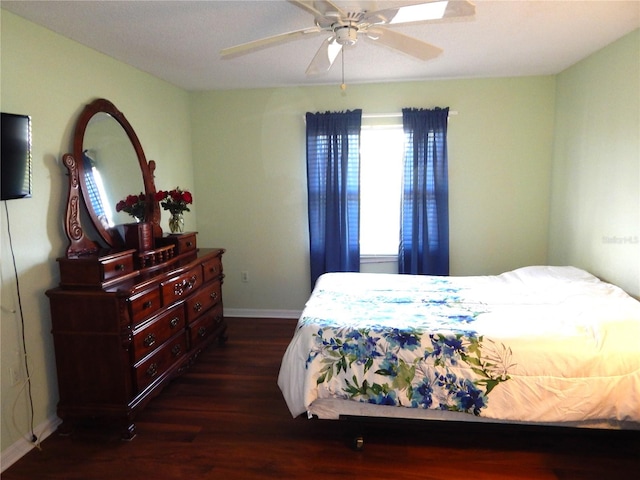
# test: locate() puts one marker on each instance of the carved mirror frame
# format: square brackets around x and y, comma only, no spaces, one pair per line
[79,243]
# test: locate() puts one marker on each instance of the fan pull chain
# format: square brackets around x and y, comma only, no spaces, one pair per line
[343,86]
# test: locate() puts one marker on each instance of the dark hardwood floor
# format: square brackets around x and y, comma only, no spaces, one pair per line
[226,419]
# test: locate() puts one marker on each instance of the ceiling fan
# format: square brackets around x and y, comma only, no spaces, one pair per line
[345,29]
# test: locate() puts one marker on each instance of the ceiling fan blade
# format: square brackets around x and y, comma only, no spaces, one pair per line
[308,6]
[329,6]
[404,43]
[254,45]
[325,56]
[460,9]
[319,8]
[422,12]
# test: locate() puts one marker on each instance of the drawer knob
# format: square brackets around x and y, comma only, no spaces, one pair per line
[149,340]
[147,304]
[176,350]
[213,295]
[202,331]
[197,307]
[152,371]
[184,286]
[189,244]
[120,267]
[173,323]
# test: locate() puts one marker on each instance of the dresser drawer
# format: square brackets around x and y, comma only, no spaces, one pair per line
[180,287]
[117,267]
[186,242]
[200,302]
[144,304]
[181,242]
[157,331]
[212,269]
[96,270]
[206,326]
[157,364]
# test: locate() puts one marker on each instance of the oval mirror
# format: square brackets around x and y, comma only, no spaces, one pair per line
[111,166]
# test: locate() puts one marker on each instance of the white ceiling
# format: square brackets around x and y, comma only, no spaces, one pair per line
[180,41]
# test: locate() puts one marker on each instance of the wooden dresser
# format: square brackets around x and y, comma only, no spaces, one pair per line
[135,307]
[122,331]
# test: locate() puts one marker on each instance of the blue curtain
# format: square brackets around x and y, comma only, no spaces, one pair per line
[333,181]
[424,230]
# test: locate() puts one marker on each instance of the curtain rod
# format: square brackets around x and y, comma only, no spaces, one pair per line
[395,115]
[388,115]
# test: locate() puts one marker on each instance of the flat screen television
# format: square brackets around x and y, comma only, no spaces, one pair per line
[15,158]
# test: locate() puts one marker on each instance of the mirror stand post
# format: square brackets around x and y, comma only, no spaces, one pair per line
[79,244]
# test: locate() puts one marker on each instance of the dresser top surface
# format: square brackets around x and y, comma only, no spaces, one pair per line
[147,278]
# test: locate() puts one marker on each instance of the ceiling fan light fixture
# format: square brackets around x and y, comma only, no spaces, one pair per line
[333,49]
[346,34]
[420,12]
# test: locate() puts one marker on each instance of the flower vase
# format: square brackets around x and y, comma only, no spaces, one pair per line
[176,223]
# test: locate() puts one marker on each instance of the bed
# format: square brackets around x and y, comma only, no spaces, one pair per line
[540,345]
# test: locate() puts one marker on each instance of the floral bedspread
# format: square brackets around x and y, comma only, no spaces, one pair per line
[433,359]
[465,344]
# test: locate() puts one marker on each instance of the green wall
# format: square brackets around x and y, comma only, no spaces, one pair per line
[51,78]
[595,220]
[249,155]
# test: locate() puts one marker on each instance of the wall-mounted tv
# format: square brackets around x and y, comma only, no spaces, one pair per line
[15,158]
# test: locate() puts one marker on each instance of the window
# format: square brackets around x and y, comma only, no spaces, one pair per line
[381,165]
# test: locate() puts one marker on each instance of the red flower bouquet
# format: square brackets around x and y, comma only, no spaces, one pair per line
[134,205]
[176,201]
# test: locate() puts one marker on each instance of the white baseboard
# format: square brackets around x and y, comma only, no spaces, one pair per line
[20,448]
[257,313]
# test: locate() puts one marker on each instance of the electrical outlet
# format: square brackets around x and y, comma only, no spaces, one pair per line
[244,277]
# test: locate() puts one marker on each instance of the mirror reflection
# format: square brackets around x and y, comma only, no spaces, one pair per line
[108,157]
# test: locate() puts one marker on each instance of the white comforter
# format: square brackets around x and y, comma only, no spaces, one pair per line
[538,344]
